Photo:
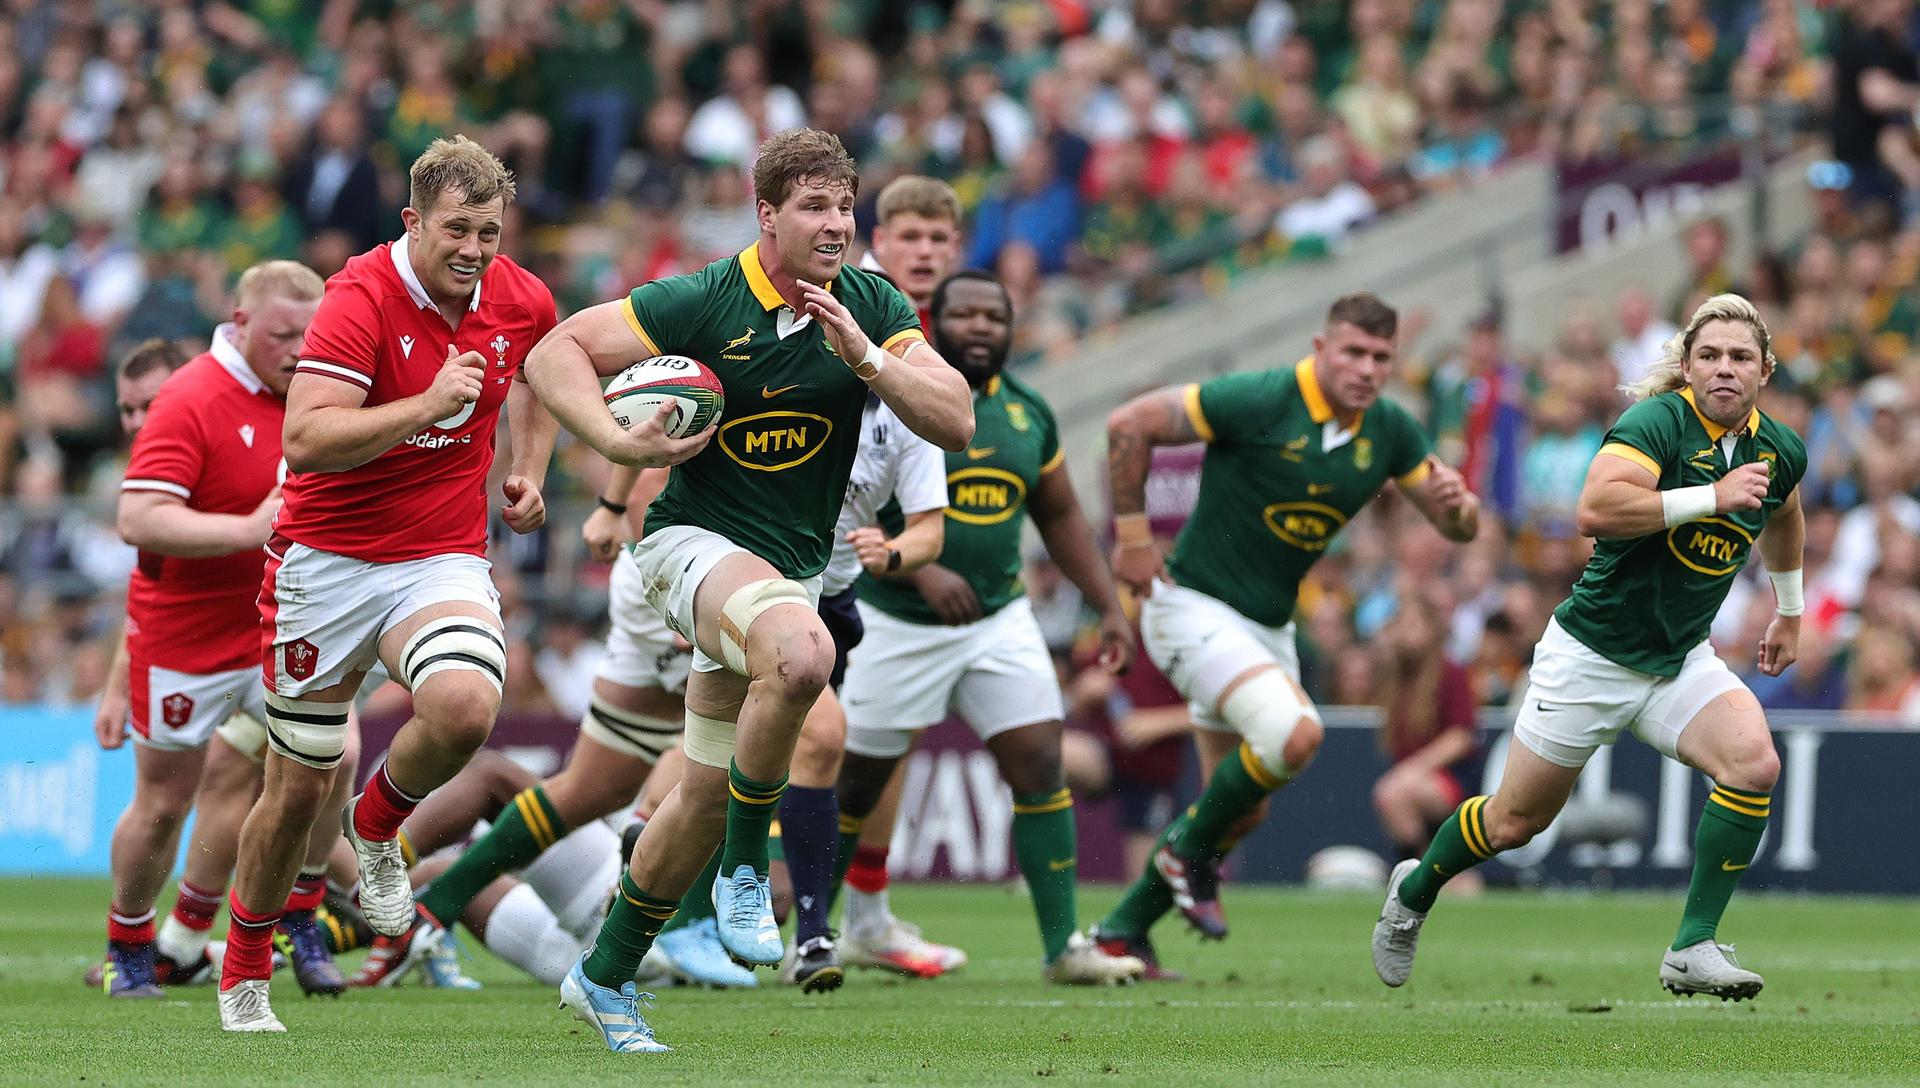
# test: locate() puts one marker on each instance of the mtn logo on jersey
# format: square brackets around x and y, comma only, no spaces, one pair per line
[984,496]
[1714,547]
[1309,526]
[774,441]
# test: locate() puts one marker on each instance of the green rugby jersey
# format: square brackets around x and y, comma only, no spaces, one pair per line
[1279,482]
[1015,442]
[1645,602]
[773,477]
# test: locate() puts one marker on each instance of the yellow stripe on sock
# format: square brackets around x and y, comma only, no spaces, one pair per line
[1473,830]
[407,853]
[1262,777]
[1758,800]
[1727,802]
[745,800]
[536,820]
[1057,802]
[851,825]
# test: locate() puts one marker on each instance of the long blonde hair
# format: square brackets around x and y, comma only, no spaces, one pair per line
[1668,373]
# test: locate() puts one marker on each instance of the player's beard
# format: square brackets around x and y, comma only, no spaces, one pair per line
[977,371]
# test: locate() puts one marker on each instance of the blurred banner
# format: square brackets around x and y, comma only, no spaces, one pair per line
[1842,814]
[1601,199]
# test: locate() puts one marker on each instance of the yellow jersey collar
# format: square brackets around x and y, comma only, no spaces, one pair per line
[992,388]
[1716,432]
[1318,406]
[758,281]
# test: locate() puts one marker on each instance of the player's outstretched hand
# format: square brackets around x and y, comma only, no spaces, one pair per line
[842,331]
[110,720]
[1136,566]
[458,383]
[1742,489]
[525,510]
[870,546]
[1449,487]
[1781,646]
[605,533]
[1116,642]
[948,594]
[648,445]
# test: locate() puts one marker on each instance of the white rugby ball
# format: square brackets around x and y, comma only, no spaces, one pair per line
[1346,868]
[636,394]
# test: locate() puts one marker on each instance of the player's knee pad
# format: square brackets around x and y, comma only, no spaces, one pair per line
[307,731]
[1265,710]
[710,741]
[746,605]
[454,642]
[244,734]
[628,732]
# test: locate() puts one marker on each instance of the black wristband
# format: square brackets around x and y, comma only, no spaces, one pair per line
[893,559]
[617,507]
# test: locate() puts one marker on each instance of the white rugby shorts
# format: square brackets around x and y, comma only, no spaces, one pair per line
[672,562]
[1578,700]
[330,611]
[1202,644]
[903,677]
[179,711]
[640,648]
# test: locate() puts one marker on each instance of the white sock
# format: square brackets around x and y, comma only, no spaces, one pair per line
[577,874]
[179,943]
[522,931]
[867,913]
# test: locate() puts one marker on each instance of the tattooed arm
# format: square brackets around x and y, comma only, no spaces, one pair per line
[1164,417]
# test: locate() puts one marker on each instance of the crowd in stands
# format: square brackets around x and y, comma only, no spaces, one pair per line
[1111,156]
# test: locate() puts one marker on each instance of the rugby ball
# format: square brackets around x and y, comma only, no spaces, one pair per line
[1346,868]
[636,394]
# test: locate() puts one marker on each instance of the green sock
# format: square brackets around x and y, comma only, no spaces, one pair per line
[1723,847]
[1043,844]
[1146,900]
[625,936]
[1238,784]
[1459,845]
[525,828]
[849,842]
[750,813]
[697,904]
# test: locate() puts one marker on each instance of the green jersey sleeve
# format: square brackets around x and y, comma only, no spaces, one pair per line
[894,320]
[1647,434]
[1791,464]
[1233,407]
[664,314]
[1051,455]
[1410,446]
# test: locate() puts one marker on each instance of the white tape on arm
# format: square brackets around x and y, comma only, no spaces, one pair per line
[1789,592]
[1683,504]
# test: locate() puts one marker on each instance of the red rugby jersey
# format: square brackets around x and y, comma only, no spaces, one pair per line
[377,329]
[213,440]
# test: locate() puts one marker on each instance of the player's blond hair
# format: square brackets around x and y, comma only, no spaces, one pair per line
[928,198]
[1668,373]
[456,164]
[277,279]
[802,156]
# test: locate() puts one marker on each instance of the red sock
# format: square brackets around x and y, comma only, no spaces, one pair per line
[379,812]
[868,873]
[196,907]
[249,945]
[308,891]
[124,928]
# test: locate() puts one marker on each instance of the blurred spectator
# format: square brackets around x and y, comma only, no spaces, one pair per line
[728,127]
[1876,87]
[1037,207]
[1332,204]
[1478,419]
[1428,727]
[1707,271]
[1564,443]
[335,187]
[1881,677]
[1643,335]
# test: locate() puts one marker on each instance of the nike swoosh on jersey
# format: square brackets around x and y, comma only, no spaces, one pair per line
[982,452]
[772,393]
[1727,867]
[1060,866]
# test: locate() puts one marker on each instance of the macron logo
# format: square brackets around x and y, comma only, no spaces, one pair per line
[246,434]
[406,347]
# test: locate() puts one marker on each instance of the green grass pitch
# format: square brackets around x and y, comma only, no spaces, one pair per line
[1510,989]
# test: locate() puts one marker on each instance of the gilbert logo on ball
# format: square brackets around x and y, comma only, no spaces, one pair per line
[694,391]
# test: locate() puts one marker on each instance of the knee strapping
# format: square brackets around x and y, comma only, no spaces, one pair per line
[245,735]
[710,741]
[307,731]
[454,642]
[1265,710]
[625,731]
[747,604]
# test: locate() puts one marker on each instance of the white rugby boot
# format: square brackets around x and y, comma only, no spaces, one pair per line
[245,1008]
[1397,931]
[386,893]
[1084,963]
[1708,968]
